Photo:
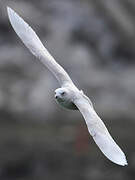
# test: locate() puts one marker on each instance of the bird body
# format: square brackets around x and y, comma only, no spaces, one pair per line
[69,96]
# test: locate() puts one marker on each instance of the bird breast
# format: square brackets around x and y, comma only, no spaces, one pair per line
[67,104]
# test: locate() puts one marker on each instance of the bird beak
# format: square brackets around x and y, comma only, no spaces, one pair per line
[56,96]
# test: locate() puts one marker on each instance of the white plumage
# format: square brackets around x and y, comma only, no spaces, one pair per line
[69,95]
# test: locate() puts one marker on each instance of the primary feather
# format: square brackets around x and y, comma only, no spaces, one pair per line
[100,134]
[33,43]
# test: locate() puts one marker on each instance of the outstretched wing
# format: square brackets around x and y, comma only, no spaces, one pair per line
[33,43]
[100,134]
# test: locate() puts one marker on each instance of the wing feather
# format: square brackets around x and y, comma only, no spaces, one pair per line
[33,43]
[100,134]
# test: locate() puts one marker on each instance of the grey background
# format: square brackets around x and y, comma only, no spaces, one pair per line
[95,42]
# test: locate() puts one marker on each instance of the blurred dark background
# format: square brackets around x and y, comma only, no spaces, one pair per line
[94,40]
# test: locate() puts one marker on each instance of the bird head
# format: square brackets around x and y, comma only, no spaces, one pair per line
[61,94]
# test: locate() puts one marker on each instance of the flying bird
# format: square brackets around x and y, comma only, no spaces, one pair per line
[68,95]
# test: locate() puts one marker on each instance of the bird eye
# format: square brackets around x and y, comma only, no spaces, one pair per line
[63,93]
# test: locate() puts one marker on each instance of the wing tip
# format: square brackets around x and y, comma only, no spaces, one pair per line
[124,163]
[11,14]
[120,160]
[9,11]
[8,8]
